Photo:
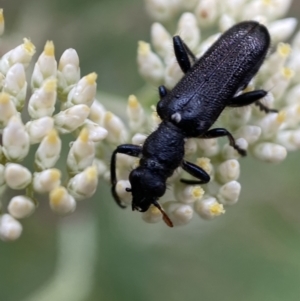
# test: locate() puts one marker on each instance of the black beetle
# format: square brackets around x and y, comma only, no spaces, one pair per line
[189,110]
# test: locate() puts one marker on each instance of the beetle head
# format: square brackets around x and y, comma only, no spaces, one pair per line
[146,188]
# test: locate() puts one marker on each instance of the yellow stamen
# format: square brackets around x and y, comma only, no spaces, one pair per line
[50,85]
[143,48]
[4,98]
[108,116]
[284,49]
[1,16]
[288,73]
[216,209]
[197,192]
[133,102]
[55,174]
[205,164]
[91,78]
[57,195]
[91,173]
[84,135]
[28,46]
[52,137]
[281,116]
[49,48]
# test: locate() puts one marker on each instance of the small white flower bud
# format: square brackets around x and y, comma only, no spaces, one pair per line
[161,40]
[180,214]
[209,208]
[96,132]
[15,140]
[135,113]
[83,92]
[48,151]
[289,139]
[42,101]
[15,84]
[225,22]
[21,54]
[61,201]
[45,67]
[39,128]
[116,129]
[162,10]
[7,109]
[10,228]
[276,60]
[271,123]
[150,65]
[17,176]
[281,30]
[173,73]
[279,82]
[20,206]
[124,195]
[250,133]
[207,12]
[190,146]
[269,152]
[70,119]
[292,116]
[209,147]
[81,154]
[46,180]
[138,139]
[237,117]
[228,171]
[293,95]
[1,21]
[84,184]
[188,194]
[97,112]
[152,215]
[189,30]
[68,72]
[229,193]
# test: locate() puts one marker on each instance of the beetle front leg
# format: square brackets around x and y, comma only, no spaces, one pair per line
[220,132]
[127,149]
[249,98]
[183,54]
[196,171]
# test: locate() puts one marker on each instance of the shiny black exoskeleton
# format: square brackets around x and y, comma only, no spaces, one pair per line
[189,110]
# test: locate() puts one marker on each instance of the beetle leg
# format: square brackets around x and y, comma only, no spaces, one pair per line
[183,54]
[249,98]
[196,171]
[220,132]
[127,149]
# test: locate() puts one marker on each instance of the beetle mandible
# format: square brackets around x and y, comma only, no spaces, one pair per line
[190,109]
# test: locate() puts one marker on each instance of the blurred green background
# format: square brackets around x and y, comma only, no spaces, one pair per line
[251,253]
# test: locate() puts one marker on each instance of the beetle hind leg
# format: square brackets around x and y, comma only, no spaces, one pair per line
[220,132]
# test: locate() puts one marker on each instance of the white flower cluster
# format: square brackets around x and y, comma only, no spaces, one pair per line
[60,103]
[267,137]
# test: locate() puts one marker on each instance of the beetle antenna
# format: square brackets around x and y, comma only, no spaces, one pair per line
[166,218]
